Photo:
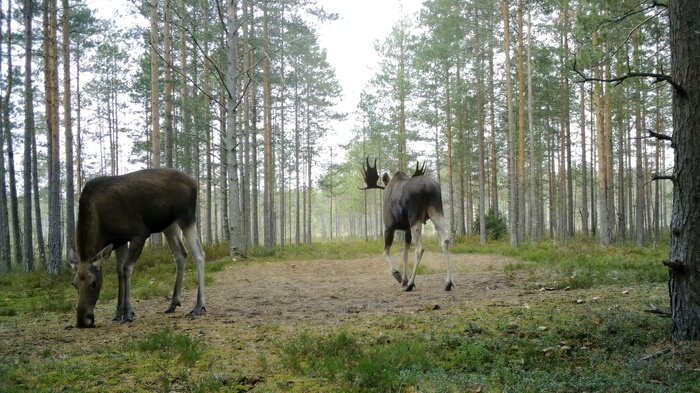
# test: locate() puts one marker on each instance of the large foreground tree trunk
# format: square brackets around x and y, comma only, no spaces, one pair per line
[684,262]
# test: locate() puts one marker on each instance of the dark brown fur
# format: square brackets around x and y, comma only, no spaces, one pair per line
[120,213]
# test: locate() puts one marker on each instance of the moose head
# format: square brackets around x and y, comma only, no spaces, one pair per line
[88,282]
[371,175]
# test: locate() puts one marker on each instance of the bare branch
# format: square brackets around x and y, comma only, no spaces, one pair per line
[664,177]
[632,12]
[659,136]
[677,266]
[619,79]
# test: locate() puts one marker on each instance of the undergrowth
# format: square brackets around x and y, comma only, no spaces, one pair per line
[545,343]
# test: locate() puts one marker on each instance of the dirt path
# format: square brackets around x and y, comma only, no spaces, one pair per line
[325,291]
[282,294]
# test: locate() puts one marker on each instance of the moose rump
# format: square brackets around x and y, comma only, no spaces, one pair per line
[119,213]
[409,202]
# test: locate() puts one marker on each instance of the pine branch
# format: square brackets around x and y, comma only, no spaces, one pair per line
[659,136]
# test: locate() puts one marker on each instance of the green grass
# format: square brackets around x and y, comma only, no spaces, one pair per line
[544,343]
[336,250]
[580,263]
[499,349]
[154,276]
[167,344]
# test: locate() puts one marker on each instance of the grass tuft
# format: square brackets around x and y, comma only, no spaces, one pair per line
[166,344]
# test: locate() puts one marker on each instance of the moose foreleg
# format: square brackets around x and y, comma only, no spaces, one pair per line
[132,254]
[388,241]
[121,258]
[197,251]
[172,235]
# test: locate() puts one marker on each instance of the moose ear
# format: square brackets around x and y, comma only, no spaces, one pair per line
[72,259]
[386,178]
[102,256]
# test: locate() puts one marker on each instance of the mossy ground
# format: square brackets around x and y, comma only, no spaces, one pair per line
[539,318]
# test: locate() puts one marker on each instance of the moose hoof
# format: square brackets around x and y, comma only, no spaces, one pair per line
[198,310]
[404,282]
[126,320]
[397,276]
[448,286]
[409,287]
[171,308]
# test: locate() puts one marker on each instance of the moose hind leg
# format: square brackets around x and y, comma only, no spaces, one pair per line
[417,231]
[443,234]
[388,241]
[195,246]
[172,235]
[406,247]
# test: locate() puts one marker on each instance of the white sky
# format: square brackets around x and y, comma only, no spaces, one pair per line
[350,44]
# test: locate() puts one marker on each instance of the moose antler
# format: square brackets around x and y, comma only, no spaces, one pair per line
[420,171]
[371,175]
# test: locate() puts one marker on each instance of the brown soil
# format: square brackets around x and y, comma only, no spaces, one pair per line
[282,294]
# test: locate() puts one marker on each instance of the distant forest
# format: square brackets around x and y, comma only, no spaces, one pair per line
[524,109]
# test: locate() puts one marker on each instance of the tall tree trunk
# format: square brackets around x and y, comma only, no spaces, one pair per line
[14,206]
[248,124]
[448,136]
[493,160]
[5,248]
[401,79]
[269,161]
[168,87]
[684,259]
[234,213]
[156,238]
[51,94]
[68,125]
[297,161]
[639,123]
[155,89]
[567,125]
[29,129]
[481,131]
[510,145]
[532,192]
[522,224]
[255,184]
[209,213]
[584,166]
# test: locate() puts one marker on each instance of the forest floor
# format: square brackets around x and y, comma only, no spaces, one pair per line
[293,293]
[257,311]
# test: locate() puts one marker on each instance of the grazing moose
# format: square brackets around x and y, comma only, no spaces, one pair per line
[408,203]
[119,213]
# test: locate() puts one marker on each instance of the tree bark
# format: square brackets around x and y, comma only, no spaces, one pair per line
[51,97]
[168,84]
[14,206]
[269,161]
[481,131]
[68,129]
[584,166]
[5,248]
[510,145]
[684,259]
[155,89]
[234,213]
[29,129]
[522,224]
